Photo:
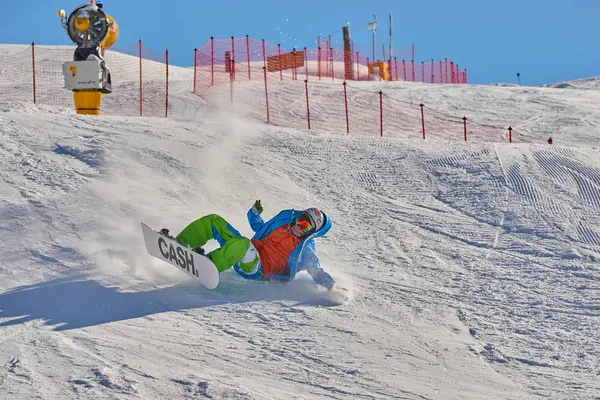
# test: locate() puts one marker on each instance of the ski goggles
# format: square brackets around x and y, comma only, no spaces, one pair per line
[305,224]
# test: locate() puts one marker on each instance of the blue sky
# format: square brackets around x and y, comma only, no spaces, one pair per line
[544,40]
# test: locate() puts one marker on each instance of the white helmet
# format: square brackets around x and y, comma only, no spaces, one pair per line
[316,217]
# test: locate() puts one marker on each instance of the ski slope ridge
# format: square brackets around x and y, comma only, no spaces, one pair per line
[465,270]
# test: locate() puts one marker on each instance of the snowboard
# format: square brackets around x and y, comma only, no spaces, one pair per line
[197,266]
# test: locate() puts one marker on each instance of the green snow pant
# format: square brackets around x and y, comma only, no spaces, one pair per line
[233,245]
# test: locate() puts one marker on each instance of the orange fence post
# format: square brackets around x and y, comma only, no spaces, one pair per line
[33,71]
[381,112]
[307,104]
[319,62]
[306,62]
[141,80]
[280,69]
[232,69]
[212,59]
[346,105]
[248,51]
[423,119]
[195,69]
[266,93]
[167,84]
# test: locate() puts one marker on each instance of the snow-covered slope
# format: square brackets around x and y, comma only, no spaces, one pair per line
[465,270]
[585,83]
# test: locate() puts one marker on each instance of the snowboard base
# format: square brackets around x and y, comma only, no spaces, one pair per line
[197,266]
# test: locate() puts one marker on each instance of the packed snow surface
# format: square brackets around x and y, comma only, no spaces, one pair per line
[466,270]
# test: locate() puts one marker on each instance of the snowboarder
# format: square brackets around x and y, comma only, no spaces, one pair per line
[280,248]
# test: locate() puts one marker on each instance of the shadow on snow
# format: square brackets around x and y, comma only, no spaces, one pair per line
[75,302]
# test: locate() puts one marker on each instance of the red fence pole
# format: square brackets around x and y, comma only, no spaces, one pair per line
[231,88]
[141,80]
[381,113]
[396,68]
[264,55]
[266,91]
[510,134]
[456,71]
[423,119]
[232,69]
[319,62]
[331,63]
[413,70]
[306,62]
[441,73]
[453,71]
[465,122]
[446,68]
[432,71]
[167,84]
[212,59]
[248,51]
[195,69]
[307,104]
[422,71]
[294,75]
[404,70]
[346,105]
[33,71]
[368,72]
[280,63]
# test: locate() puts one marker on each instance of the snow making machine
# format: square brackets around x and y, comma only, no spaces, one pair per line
[94,32]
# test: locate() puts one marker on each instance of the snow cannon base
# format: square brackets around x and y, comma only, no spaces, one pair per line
[88,103]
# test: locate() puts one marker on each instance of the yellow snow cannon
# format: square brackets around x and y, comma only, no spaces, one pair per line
[93,31]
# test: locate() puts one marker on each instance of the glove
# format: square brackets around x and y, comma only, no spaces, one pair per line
[258,207]
[321,277]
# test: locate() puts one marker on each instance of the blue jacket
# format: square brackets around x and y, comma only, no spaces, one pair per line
[303,257]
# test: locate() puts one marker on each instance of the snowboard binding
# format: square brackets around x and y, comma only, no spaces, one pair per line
[199,249]
[165,232]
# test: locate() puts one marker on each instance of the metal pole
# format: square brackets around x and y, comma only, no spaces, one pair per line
[373,27]
[373,45]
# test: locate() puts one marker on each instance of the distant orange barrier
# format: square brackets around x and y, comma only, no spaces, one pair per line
[291,60]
